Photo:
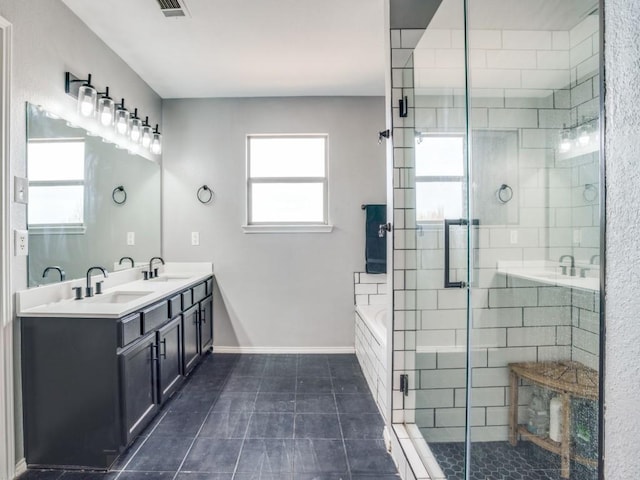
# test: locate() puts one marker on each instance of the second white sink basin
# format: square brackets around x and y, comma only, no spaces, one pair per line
[117,297]
[170,278]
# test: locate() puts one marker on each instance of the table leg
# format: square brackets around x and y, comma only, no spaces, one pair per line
[566,436]
[513,409]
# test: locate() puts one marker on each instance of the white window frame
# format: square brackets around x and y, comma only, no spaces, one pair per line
[426,179]
[288,227]
[59,228]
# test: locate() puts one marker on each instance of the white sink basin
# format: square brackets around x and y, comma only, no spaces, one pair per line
[170,278]
[116,297]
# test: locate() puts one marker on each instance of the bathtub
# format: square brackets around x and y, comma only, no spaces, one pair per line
[371,350]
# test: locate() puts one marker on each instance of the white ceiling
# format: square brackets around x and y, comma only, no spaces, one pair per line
[246,48]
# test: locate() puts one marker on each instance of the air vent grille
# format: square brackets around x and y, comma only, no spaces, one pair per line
[173,8]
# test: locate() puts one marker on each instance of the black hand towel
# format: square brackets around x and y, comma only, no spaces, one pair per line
[375,247]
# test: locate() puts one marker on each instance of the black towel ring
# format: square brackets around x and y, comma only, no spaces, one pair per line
[123,195]
[205,194]
[504,193]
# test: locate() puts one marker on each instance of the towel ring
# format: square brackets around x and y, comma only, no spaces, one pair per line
[590,192]
[504,193]
[205,194]
[120,192]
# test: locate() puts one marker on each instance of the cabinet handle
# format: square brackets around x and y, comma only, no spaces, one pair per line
[154,352]
[196,314]
[164,348]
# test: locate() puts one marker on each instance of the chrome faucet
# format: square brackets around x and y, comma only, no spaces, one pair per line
[89,291]
[127,258]
[572,270]
[593,260]
[154,272]
[63,276]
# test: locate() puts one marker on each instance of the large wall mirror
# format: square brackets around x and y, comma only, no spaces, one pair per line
[90,202]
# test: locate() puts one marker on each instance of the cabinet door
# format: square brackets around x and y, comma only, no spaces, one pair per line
[169,359]
[206,324]
[139,397]
[190,351]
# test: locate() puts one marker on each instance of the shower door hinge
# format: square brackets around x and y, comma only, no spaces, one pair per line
[404,383]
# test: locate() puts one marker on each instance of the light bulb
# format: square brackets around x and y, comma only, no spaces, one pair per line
[122,119]
[106,109]
[147,135]
[156,144]
[564,144]
[87,97]
[105,117]
[584,135]
[135,127]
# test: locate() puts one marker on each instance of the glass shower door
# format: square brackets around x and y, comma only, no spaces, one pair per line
[501,282]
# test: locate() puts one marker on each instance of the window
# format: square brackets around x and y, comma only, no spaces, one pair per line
[287,183]
[439,177]
[56,183]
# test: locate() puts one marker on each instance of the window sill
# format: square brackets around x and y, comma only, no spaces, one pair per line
[57,230]
[287,228]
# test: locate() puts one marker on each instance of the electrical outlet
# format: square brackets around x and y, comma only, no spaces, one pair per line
[21,238]
[20,190]
[513,237]
[131,238]
[195,238]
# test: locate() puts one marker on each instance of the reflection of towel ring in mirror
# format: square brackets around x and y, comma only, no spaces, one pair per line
[590,192]
[504,193]
[119,195]
[205,194]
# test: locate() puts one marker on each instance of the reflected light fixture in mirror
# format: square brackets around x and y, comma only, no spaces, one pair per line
[135,127]
[106,109]
[156,142]
[122,119]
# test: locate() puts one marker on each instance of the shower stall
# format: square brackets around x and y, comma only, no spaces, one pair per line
[497,215]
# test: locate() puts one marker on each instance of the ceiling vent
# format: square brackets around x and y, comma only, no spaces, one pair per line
[173,8]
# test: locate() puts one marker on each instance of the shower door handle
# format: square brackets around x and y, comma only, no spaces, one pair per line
[447,250]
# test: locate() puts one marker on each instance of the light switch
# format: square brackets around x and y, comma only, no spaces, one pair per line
[20,190]
[131,238]
[195,238]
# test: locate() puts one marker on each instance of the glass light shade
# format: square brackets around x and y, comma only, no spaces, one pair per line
[135,129]
[147,136]
[87,99]
[584,135]
[122,121]
[564,144]
[156,144]
[106,111]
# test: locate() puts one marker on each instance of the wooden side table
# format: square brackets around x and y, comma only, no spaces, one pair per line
[568,379]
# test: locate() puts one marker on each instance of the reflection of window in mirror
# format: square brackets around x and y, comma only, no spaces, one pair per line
[439,161]
[56,172]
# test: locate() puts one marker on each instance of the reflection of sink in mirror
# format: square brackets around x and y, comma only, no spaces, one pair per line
[117,297]
[170,278]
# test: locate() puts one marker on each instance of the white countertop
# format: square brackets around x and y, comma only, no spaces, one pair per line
[56,300]
[548,273]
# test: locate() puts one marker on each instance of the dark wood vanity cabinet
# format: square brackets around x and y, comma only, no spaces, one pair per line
[91,385]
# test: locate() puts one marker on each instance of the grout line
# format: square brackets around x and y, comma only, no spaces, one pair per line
[344,445]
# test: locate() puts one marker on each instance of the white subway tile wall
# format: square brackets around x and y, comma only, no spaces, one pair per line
[534,83]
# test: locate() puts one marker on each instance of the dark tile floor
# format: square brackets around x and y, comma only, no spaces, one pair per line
[501,461]
[260,417]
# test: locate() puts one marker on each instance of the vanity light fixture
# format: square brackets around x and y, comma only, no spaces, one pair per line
[156,142]
[565,141]
[135,127]
[122,119]
[147,134]
[106,109]
[87,95]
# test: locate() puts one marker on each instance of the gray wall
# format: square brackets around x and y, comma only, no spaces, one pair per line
[48,40]
[274,290]
[622,360]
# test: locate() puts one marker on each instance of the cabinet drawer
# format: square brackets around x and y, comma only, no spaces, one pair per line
[187,299]
[209,284]
[154,316]
[175,306]
[199,292]
[129,329]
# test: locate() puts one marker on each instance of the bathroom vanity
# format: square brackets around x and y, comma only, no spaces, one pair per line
[96,371]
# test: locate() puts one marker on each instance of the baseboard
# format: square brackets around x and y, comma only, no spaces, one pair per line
[21,467]
[284,350]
